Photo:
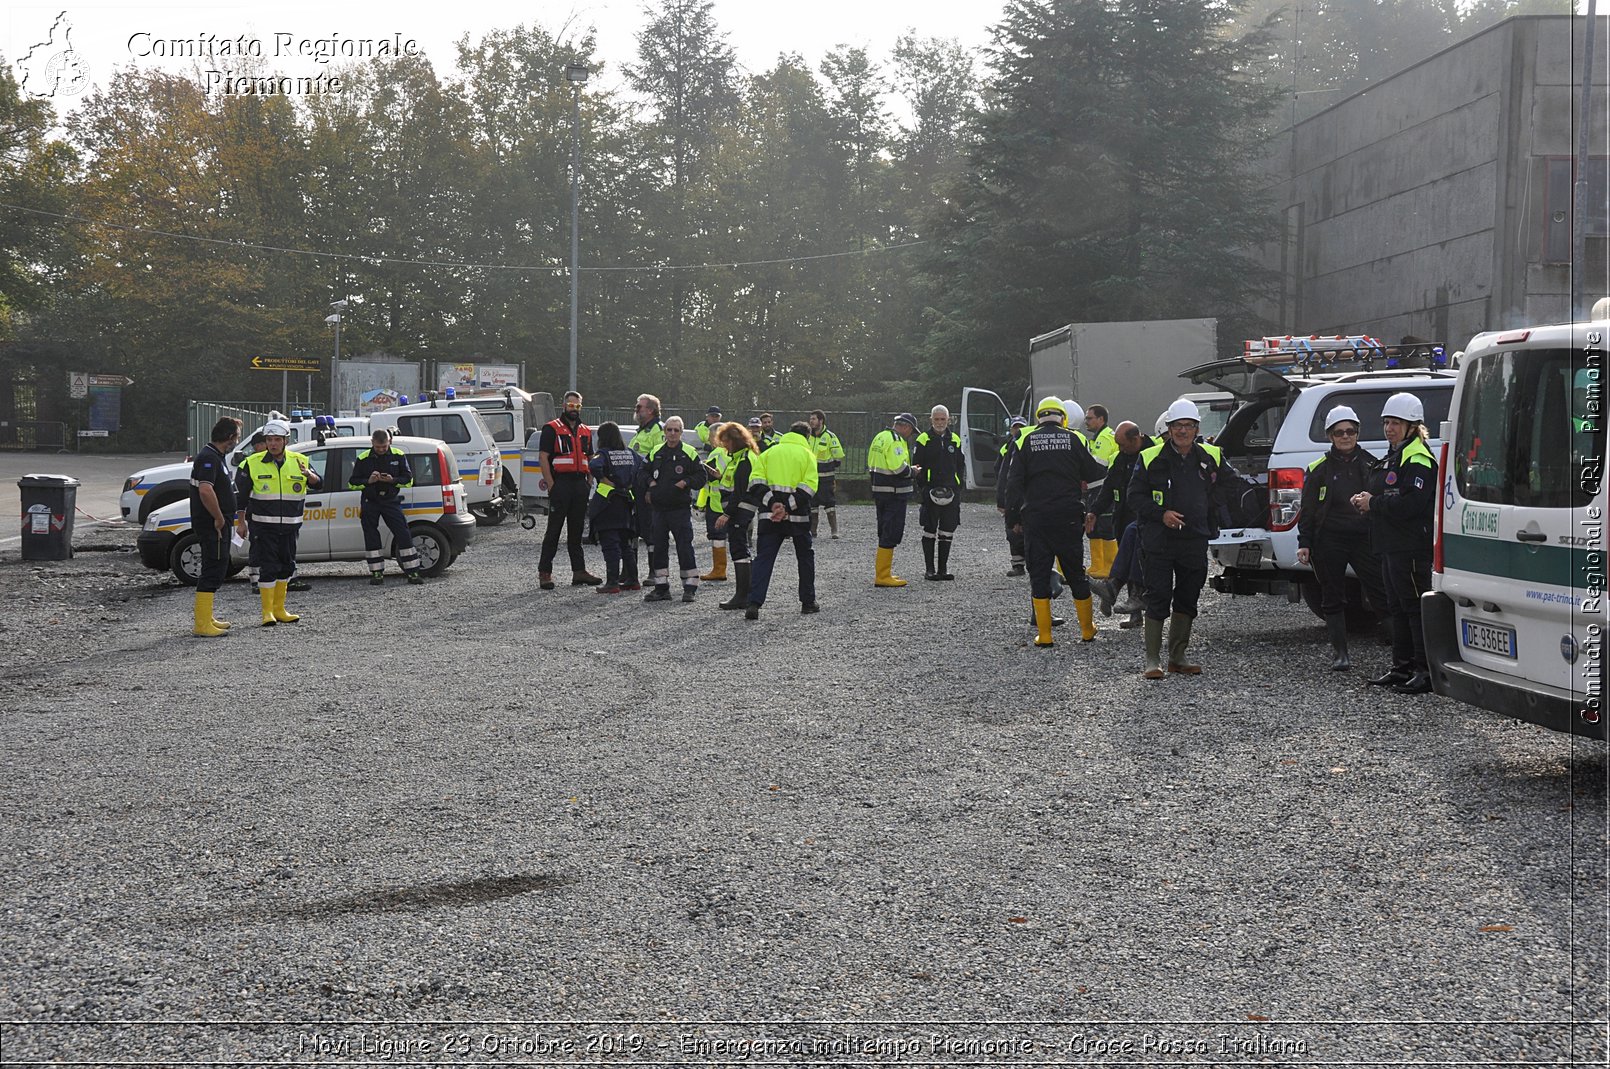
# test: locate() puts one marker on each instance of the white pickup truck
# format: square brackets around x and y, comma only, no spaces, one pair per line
[1278,430]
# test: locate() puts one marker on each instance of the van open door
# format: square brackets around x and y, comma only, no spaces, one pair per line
[984,426]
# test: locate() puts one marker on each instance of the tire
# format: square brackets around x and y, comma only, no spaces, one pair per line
[1360,617]
[435,551]
[166,494]
[184,560]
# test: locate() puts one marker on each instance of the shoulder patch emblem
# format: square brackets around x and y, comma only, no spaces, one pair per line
[1391,478]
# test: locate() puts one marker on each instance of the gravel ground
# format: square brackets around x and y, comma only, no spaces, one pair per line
[474,821]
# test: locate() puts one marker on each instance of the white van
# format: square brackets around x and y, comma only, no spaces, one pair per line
[1516,619]
[512,415]
[480,461]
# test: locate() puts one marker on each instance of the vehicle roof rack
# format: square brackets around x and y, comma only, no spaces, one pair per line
[1316,354]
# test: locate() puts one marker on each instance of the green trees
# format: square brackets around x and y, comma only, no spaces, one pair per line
[736,227]
[1110,179]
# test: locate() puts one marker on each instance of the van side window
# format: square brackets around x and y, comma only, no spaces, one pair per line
[449,427]
[1529,425]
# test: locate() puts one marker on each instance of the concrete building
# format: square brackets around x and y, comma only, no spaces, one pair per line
[1438,202]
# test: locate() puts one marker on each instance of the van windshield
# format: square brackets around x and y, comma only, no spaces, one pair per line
[1531,428]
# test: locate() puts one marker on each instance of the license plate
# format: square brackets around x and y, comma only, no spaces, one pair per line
[1488,638]
[1249,555]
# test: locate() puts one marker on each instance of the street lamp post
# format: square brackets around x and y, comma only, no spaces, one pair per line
[576,73]
[335,320]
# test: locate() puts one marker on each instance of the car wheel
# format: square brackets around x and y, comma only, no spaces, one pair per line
[157,499]
[185,559]
[435,552]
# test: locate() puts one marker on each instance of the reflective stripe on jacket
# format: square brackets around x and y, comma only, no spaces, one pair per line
[888,462]
[274,491]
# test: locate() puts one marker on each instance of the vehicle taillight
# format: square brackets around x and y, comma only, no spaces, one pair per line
[449,483]
[1285,497]
[1436,547]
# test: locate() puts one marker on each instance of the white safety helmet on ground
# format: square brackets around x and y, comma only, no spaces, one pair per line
[276,427]
[1340,414]
[1404,406]
[1182,409]
[1075,411]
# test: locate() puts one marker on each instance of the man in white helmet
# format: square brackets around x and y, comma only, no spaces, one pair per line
[1333,535]
[1178,490]
[271,487]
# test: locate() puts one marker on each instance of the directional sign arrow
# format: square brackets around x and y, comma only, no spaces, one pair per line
[110,380]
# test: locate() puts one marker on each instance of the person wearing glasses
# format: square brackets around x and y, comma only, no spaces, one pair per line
[565,450]
[1178,490]
[1333,535]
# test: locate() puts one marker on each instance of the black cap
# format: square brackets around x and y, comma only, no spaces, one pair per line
[906,417]
[713,410]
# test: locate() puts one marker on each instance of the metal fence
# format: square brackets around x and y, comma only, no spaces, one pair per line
[855,429]
[26,434]
[202,415]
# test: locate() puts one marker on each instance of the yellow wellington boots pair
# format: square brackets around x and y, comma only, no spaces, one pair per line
[205,625]
[1087,618]
[885,567]
[273,598]
[718,566]
[1042,622]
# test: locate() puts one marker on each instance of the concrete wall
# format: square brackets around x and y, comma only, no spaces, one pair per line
[1418,205]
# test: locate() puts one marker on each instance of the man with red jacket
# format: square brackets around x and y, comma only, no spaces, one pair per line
[564,450]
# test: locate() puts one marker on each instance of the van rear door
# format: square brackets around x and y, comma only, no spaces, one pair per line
[985,424]
[1514,556]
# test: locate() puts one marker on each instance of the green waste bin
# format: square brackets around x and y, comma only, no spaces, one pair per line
[48,504]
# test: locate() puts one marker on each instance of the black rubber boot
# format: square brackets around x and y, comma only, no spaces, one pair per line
[944,559]
[928,559]
[1418,683]
[1336,624]
[1393,676]
[740,583]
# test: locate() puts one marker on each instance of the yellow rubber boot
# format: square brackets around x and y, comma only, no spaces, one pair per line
[885,569]
[1042,622]
[718,566]
[279,604]
[266,593]
[1087,618]
[1102,552]
[203,617]
[222,625]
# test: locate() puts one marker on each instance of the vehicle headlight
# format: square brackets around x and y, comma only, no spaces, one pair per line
[130,483]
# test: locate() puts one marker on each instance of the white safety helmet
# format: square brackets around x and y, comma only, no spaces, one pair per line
[1340,414]
[1404,406]
[277,427]
[1075,411]
[1182,409]
[1051,406]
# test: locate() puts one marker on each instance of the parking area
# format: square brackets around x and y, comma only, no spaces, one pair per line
[467,820]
